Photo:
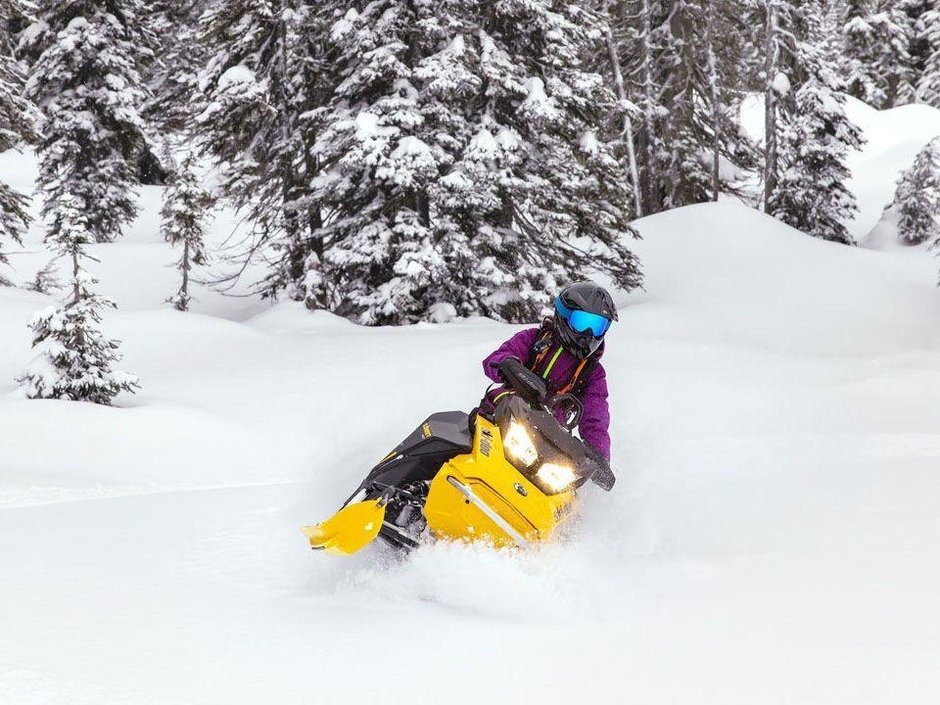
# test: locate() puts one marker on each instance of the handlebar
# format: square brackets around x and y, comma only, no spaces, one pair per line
[532,388]
[523,381]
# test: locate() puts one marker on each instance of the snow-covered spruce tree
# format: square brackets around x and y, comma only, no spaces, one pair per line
[682,60]
[627,110]
[464,160]
[172,76]
[875,59]
[811,193]
[18,119]
[185,204]
[46,280]
[808,135]
[641,29]
[74,358]
[917,197]
[259,99]
[927,44]
[85,78]
[702,129]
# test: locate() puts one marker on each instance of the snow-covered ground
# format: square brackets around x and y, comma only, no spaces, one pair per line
[774,537]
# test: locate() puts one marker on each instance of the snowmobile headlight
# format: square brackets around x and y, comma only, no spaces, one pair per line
[557,478]
[519,445]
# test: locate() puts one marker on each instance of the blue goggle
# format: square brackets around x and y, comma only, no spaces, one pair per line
[582,321]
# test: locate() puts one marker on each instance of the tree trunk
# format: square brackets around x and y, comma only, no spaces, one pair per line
[627,128]
[314,217]
[651,176]
[771,64]
[291,190]
[184,287]
[714,98]
[76,289]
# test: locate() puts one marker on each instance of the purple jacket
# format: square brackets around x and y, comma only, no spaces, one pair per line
[595,421]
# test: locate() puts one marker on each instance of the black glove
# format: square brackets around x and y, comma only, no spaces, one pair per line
[603,476]
[522,380]
[507,367]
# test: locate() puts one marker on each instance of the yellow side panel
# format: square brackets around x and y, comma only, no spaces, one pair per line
[504,489]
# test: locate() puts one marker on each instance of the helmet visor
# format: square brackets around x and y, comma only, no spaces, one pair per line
[583,321]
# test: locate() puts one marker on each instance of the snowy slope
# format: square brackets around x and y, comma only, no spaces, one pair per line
[773,537]
[894,138]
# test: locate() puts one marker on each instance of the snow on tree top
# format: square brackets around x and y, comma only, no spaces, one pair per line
[368,128]
[236,74]
[344,26]
[781,84]
[483,145]
[508,139]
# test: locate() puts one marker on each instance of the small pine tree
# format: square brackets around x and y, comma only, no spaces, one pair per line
[185,203]
[917,197]
[46,280]
[75,359]
[14,220]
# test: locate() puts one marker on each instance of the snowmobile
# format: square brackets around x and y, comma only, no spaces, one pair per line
[508,477]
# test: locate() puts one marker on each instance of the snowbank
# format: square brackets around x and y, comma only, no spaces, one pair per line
[773,537]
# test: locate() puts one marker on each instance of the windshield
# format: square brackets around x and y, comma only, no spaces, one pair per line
[553,443]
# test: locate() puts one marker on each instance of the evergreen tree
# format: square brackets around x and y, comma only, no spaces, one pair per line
[860,42]
[185,203]
[644,45]
[894,63]
[85,79]
[876,64]
[917,197]
[927,29]
[627,109]
[682,59]
[46,280]
[808,133]
[172,76]
[18,119]
[811,194]
[702,128]
[75,359]
[258,100]
[485,209]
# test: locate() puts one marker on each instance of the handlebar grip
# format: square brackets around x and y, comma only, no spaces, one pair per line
[522,380]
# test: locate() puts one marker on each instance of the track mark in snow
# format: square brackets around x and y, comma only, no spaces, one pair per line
[38,496]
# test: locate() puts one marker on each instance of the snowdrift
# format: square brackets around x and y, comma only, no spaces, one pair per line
[773,537]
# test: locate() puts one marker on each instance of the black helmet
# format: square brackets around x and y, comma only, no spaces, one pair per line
[583,313]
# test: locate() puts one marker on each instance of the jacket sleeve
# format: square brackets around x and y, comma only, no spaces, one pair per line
[517,346]
[595,422]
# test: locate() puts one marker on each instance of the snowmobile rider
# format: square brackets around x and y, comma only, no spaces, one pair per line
[565,351]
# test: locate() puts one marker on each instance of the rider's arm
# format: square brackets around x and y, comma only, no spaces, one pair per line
[517,346]
[595,421]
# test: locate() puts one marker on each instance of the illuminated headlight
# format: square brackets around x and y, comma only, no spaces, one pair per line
[518,444]
[556,477]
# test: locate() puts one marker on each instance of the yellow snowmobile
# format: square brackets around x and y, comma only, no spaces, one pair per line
[509,481]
